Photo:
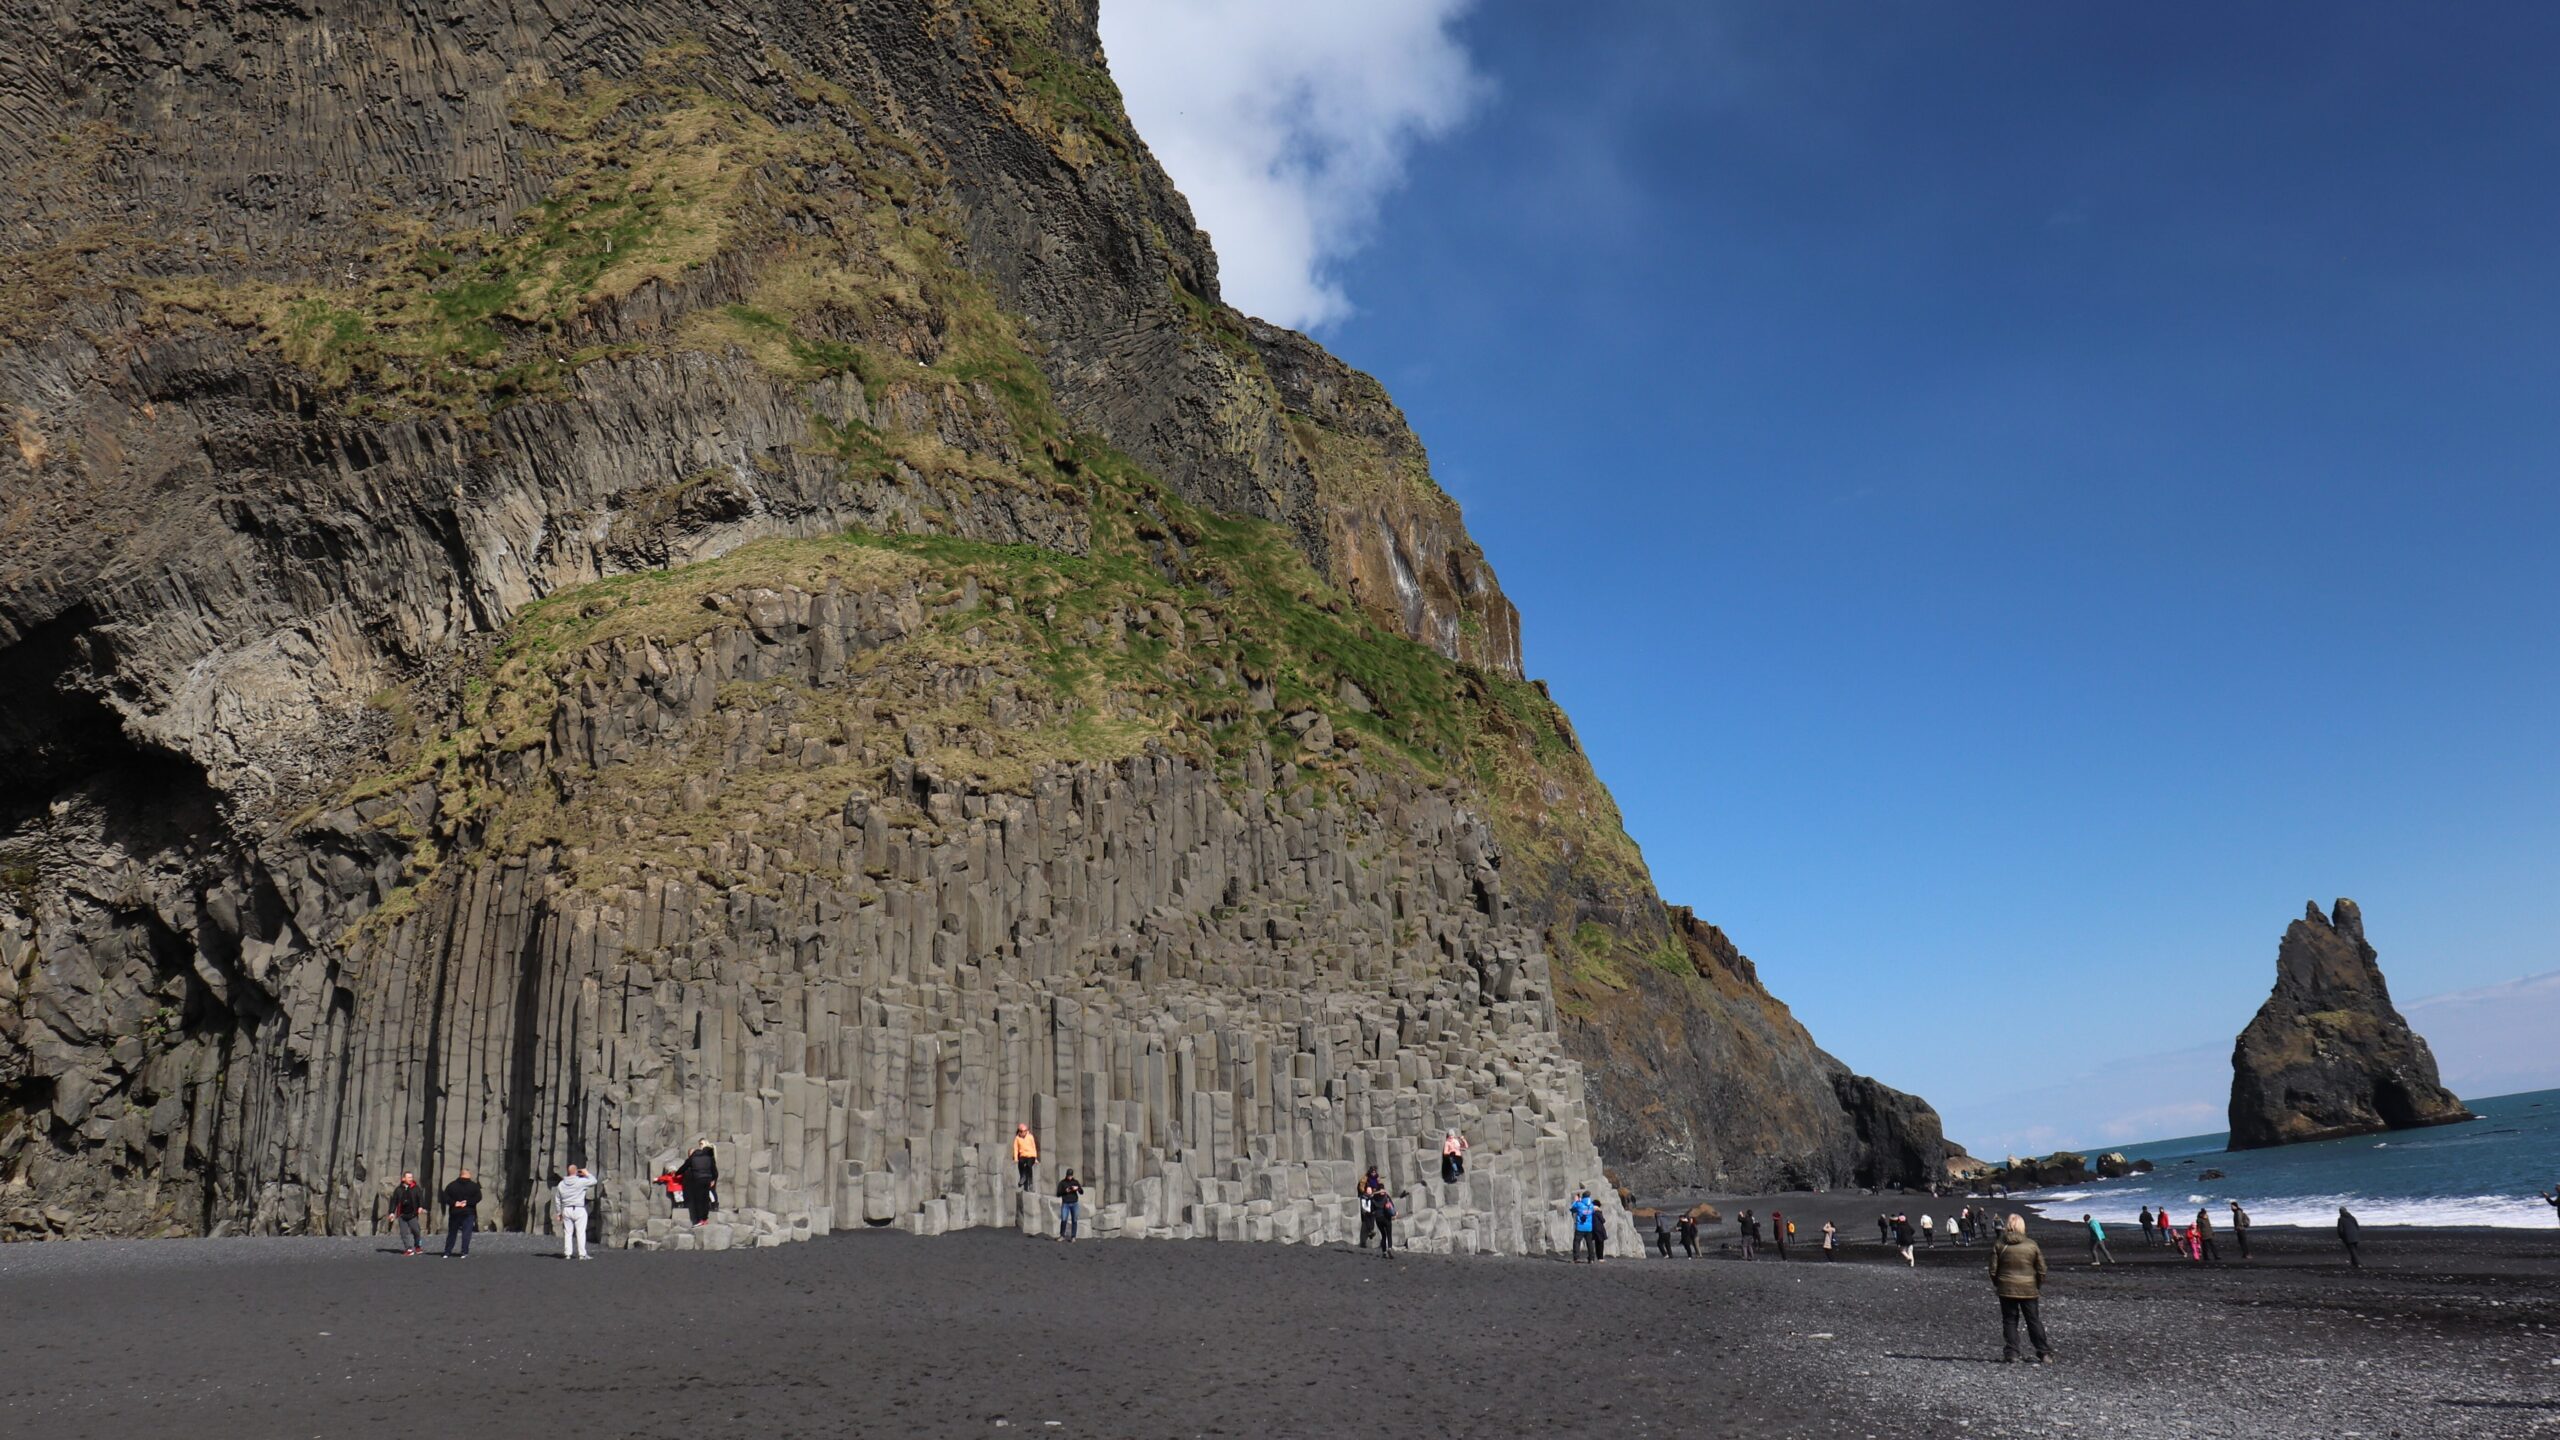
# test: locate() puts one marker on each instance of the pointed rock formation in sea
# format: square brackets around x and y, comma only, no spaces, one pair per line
[2327,1054]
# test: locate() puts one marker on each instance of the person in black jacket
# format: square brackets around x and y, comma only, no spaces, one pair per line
[408,1203]
[698,1174]
[1070,1206]
[2349,1235]
[461,1214]
[1689,1236]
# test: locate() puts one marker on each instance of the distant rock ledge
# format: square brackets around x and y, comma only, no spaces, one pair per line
[2327,1055]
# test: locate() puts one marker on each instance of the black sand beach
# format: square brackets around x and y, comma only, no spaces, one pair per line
[985,1333]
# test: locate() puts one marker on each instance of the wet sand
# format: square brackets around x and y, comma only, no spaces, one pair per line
[2448,1333]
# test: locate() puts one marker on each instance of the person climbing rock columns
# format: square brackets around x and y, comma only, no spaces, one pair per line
[2017,1276]
[700,1177]
[1026,1153]
[1070,1206]
[408,1204]
[569,1202]
[1453,1157]
[461,1214]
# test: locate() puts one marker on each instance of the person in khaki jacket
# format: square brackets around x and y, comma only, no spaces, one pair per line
[2017,1273]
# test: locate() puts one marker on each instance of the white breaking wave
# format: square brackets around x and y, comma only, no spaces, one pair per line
[2501,1212]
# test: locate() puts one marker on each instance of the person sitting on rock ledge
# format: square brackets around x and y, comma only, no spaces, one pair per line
[1070,1205]
[699,1175]
[1026,1153]
[1453,1157]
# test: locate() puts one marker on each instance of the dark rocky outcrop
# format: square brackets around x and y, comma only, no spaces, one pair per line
[575,577]
[2328,1055]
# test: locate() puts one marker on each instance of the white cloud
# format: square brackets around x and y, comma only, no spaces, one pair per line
[1286,124]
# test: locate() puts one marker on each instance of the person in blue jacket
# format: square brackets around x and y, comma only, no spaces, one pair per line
[1584,1208]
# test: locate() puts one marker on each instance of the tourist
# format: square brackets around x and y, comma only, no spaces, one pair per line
[2552,1196]
[1830,1241]
[2204,1237]
[1906,1237]
[2350,1234]
[699,1175]
[1964,1226]
[1750,1226]
[2017,1274]
[1600,1235]
[2193,1246]
[1371,1187]
[2097,1242]
[1884,1229]
[408,1204]
[1026,1154]
[1689,1235]
[2146,1226]
[569,1207]
[461,1214]
[2240,1228]
[1070,1205]
[1584,1210]
[1662,1233]
[1386,1222]
[1779,1230]
[1453,1157]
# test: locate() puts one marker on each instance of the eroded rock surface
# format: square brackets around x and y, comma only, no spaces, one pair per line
[2328,1054]
[576,577]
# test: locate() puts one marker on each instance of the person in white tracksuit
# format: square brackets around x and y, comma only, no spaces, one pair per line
[570,1201]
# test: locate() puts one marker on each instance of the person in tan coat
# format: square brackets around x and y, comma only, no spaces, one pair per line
[2017,1273]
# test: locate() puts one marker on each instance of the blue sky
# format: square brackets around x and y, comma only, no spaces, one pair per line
[2017,498]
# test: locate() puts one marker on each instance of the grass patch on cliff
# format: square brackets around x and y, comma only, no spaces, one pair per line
[657,174]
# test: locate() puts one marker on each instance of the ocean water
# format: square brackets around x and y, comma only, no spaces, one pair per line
[2481,1173]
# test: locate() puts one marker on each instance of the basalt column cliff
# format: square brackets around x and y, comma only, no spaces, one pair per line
[574,578]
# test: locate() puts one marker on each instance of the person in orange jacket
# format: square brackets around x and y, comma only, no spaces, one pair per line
[1026,1153]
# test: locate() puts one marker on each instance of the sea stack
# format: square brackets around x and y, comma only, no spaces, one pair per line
[2327,1054]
